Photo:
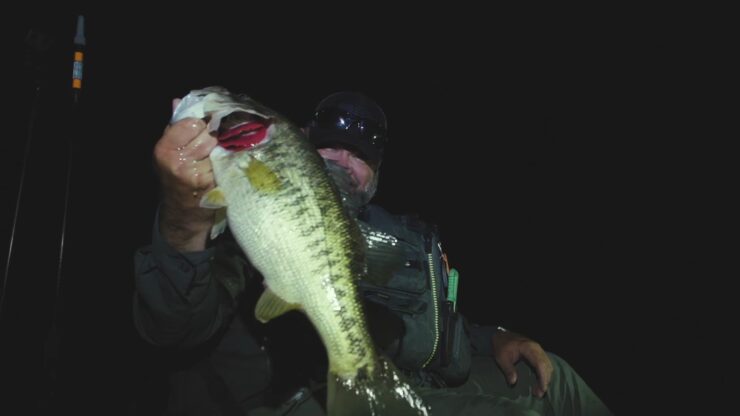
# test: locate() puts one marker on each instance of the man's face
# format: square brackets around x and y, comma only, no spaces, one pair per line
[361,173]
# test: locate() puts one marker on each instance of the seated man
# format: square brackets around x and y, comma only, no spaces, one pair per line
[198,297]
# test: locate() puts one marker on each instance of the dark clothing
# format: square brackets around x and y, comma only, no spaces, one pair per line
[200,306]
[486,392]
[180,305]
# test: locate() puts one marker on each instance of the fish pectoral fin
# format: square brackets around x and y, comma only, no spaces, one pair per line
[261,177]
[213,199]
[271,305]
[219,225]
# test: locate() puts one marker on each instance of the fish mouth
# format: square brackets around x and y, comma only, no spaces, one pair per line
[241,130]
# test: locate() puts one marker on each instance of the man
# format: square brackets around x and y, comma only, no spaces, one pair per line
[226,363]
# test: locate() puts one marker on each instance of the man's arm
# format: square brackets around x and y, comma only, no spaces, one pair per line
[186,174]
[177,302]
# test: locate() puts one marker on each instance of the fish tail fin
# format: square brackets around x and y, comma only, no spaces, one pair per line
[382,392]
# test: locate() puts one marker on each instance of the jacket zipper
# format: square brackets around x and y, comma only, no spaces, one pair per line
[435,304]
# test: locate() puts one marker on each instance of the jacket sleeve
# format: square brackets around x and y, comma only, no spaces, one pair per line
[481,339]
[183,299]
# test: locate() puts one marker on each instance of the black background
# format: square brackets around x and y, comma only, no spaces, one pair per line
[554,154]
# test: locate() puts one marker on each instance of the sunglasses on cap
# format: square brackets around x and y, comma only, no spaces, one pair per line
[332,118]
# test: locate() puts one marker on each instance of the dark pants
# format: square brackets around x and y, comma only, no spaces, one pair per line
[487,393]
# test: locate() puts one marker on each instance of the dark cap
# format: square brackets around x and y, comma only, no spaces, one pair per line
[352,120]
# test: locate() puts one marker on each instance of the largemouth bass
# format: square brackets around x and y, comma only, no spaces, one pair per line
[287,216]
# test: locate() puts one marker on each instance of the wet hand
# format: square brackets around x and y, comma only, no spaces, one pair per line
[510,347]
[186,174]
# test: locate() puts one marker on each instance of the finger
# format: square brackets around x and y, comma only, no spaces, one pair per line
[200,147]
[507,367]
[203,184]
[203,180]
[546,376]
[542,365]
[198,174]
[179,134]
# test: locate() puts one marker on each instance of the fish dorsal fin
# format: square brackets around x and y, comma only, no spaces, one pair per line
[271,305]
[382,252]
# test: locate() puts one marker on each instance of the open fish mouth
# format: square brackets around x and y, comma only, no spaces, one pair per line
[241,130]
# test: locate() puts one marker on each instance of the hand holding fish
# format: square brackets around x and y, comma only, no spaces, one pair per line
[185,171]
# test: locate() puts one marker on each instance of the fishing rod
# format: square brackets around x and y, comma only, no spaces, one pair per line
[39,46]
[51,346]
[38,58]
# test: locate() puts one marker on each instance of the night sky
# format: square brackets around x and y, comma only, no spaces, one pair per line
[547,154]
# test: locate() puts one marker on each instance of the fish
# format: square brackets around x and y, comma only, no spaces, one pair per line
[276,197]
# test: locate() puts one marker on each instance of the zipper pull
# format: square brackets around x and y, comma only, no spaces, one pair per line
[452,288]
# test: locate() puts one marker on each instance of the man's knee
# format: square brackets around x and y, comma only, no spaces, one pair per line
[561,368]
[570,393]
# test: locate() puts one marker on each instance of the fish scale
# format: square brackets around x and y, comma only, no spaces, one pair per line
[293,238]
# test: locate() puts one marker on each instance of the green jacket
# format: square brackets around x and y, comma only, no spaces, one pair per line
[199,307]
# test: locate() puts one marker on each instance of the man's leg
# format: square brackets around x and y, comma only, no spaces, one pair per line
[441,402]
[567,394]
[447,402]
[303,403]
